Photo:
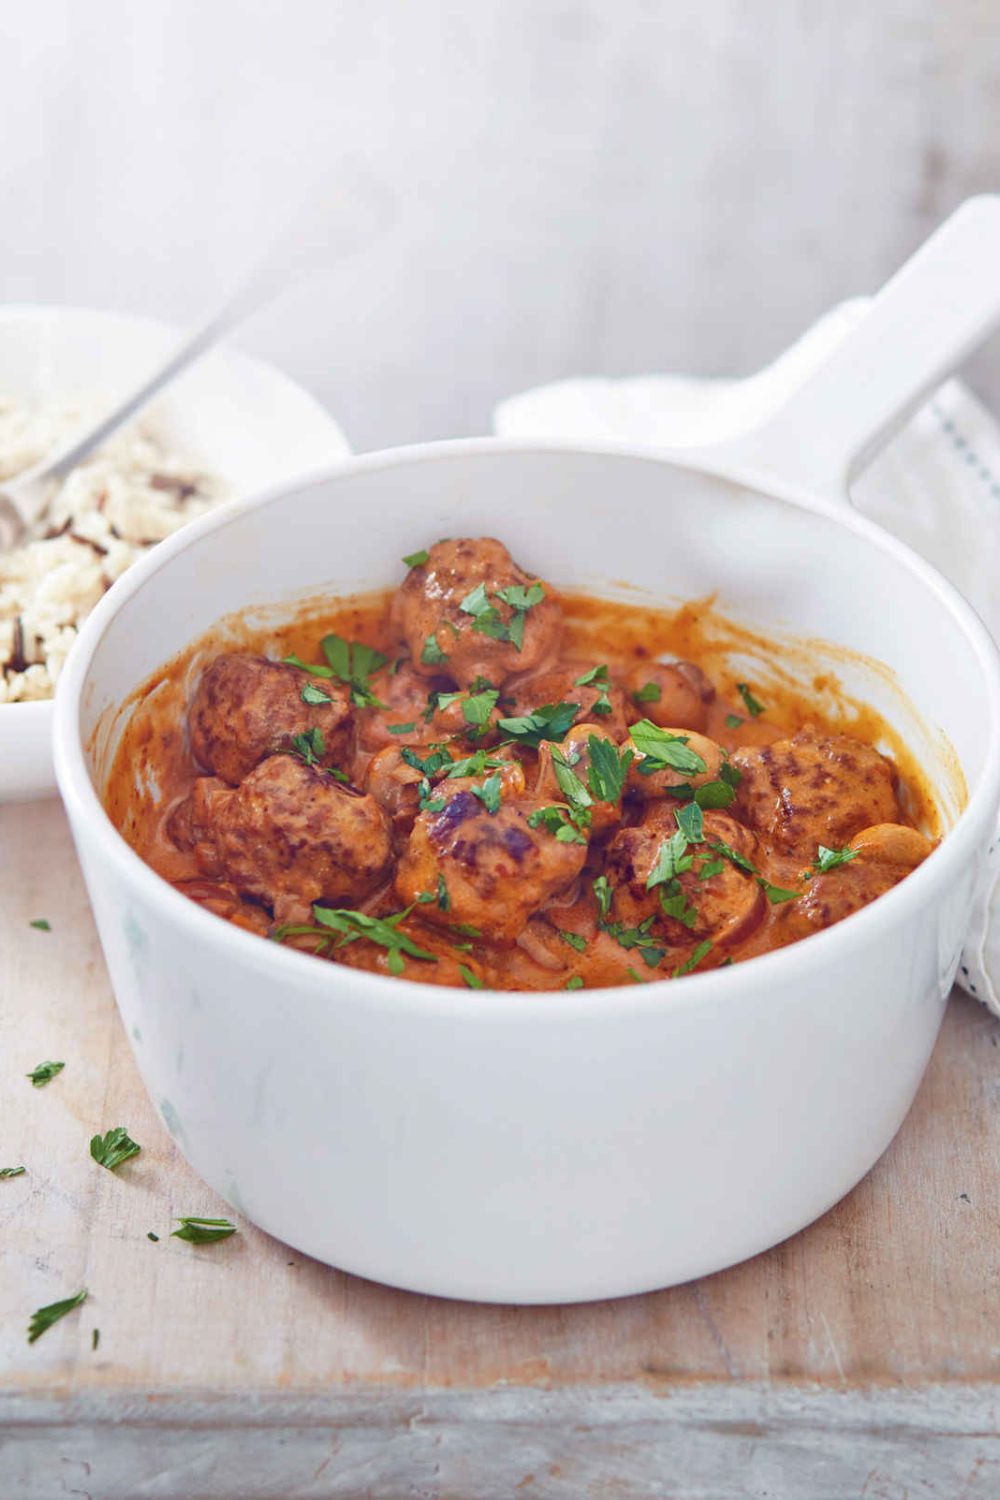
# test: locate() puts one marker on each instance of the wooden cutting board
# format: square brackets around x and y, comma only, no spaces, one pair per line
[861,1357]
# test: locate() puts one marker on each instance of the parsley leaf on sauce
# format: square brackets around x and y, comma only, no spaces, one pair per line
[472,980]
[552,721]
[432,655]
[828,859]
[608,769]
[489,793]
[648,693]
[660,749]
[750,703]
[693,959]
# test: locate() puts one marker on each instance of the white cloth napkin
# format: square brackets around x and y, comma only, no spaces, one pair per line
[936,485]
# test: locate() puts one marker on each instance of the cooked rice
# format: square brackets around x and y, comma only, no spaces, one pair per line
[108,511]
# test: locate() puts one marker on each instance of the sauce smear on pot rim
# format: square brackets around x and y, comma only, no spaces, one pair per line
[477,781]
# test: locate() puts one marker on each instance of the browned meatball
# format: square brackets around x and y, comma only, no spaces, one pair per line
[885,855]
[407,699]
[810,790]
[395,786]
[724,907]
[246,707]
[453,615]
[656,784]
[600,701]
[575,752]
[671,694]
[288,835]
[497,869]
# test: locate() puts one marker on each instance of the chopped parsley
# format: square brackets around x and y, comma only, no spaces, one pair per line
[693,960]
[552,721]
[313,694]
[353,662]
[557,821]
[828,859]
[575,941]
[711,794]
[487,619]
[443,898]
[648,693]
[640,938]
[691,823]
[12,1171]
[635,976]
[776,894]
[750,703]
[309,746]
[432,655]
[608,769]
[428,765]
[603,894]
[44,1073]
[203,1231]
[733,721]
[417,559]
[476,764]
[95,1339]
[112,1149]
[151,1236]
[671,860]
[489,793]
[42,924]
[472,980]
[597,677]
[574,983]
[350,926]
[402,728]
[661,750]
[44,1318]
[576,794]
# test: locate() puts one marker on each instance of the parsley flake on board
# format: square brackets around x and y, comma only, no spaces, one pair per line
[112,1149]
[44,1073]
[41,924]
[828,859]
[417,559]
[750,703]
[660,750]
[203,1231]
[151,1236]
[44,1318]
[12,1171]
[95,1339]
[552,721]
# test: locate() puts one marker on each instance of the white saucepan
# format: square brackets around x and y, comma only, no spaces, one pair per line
[557,1147]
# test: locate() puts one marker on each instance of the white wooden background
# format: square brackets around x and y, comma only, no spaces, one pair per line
[603,186]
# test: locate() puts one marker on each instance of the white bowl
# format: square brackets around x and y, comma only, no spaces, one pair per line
[542,1147]
[236,416]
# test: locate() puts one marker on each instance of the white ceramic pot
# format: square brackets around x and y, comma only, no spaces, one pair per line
[545,1147]
[236,416]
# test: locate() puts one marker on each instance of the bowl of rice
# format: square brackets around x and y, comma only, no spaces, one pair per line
[230,425]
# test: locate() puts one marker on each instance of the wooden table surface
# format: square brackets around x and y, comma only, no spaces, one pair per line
[861,1357]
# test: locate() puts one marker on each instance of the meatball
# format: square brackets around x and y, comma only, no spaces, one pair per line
[288,835]
[810,790]
[657,783]
[246,707]
[575,749]
[458,615]
[600,701]
[496,867]
[724,906]
[677,693]
[395,786]
[885,854]
[406,696]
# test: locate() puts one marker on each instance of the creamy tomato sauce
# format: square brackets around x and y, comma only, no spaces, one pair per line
[532,791]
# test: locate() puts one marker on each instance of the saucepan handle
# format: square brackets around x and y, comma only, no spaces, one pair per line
[920,326]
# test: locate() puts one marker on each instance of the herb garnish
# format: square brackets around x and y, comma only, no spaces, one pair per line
[95,1339]
[608,769]
[472,980]
[693,960]
[660,750]
[828,859]
[751,704]
[486,618]
[203,1231]
[575,941]
[597,677]
[310,747]
[552,721]
[650,951]
[42,924]
[776,894]
[476,764]
[432,655]
[429,764]
[402,728]
[151,1236]
[557,821]
[733,721]
[352,925]
[112,1149]
[12,1171]
[44,1073]
[603,894]
[443,898]
[489,793]
[44,1318]
[574,983]
[353,662]
[648,693]
[313,694]
[417,559]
